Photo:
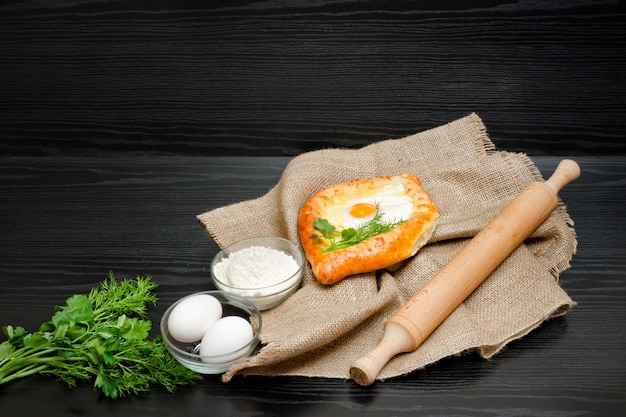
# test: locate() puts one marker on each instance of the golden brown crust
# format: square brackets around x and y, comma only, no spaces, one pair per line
[377,252]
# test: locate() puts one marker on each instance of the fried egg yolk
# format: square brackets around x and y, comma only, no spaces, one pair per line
[363,211]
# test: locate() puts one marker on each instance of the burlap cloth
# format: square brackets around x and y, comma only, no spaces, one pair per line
[320,330]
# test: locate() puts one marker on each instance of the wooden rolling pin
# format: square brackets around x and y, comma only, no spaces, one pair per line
[407,329]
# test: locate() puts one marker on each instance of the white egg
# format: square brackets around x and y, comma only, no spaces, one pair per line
[223,341]
[193,316]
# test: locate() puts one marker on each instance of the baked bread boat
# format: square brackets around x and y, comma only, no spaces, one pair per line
[365,225]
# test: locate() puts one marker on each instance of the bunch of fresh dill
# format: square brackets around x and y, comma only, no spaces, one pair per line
[103,336]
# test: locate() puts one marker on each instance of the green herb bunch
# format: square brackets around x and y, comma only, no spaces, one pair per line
[104,336]
[340,239]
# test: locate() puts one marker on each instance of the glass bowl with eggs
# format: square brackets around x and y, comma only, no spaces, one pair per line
[207,331]
[266,270]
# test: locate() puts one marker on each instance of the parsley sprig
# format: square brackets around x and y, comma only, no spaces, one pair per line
[102,336]
[340,239]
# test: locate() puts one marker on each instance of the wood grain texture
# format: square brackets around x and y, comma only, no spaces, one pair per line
[67,221]
[280,78]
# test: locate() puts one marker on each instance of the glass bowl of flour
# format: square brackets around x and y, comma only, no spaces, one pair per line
[265,270]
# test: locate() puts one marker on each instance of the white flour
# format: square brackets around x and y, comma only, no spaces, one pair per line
[256,267]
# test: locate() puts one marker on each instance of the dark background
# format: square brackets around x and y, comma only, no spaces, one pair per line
[283,77]
[120,121]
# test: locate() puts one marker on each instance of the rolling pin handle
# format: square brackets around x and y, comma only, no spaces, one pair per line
[566,172]
[395,340]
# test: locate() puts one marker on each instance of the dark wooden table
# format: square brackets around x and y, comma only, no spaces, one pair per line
[120,121]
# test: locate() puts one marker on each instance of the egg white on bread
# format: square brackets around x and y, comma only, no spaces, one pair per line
[398,201]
